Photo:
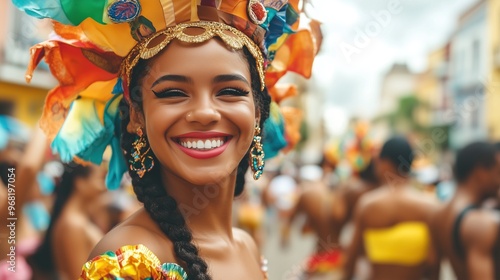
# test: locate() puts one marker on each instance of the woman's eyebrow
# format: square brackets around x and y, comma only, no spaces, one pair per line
[174,78]
[229,78]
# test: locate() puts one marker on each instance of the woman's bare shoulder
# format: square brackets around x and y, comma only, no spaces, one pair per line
[243,238]
[138,229]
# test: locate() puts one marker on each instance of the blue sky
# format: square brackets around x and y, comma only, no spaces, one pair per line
[348,70]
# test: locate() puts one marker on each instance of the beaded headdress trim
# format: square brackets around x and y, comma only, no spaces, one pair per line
[232,37]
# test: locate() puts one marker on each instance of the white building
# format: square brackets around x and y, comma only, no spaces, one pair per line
[468,72]
[397,83]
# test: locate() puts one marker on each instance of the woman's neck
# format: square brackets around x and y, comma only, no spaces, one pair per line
[207,209]
[394,179]
[468,193]
[78,203]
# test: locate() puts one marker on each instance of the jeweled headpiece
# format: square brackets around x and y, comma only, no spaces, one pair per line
[98,42]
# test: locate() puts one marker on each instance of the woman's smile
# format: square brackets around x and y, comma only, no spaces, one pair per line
[199,111]
[203,144]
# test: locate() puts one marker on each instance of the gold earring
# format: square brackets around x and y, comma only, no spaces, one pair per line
[257,155]
[141,162]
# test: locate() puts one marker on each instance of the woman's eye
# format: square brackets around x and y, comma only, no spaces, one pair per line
[233,92]
[170,93]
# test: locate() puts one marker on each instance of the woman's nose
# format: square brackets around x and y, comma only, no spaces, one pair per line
[204,112]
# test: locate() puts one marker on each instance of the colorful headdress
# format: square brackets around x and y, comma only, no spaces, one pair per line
[97,43]
[357,146]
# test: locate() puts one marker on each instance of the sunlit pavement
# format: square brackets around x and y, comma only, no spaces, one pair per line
[285,263]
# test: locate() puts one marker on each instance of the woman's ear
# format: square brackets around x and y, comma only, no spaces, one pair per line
[136,120]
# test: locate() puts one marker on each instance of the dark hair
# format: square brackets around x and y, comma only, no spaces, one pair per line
[4,172]
[477,154]
[368,173]
[497,146]
[158,203]
[43,259]
[399,152]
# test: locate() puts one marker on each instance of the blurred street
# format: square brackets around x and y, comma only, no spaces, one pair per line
[395,133]
[285,264]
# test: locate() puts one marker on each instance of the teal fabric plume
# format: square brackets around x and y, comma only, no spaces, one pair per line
[273,138]
[83,135]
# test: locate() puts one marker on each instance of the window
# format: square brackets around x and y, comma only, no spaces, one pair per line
[6,107]
[23,32]
[475,57]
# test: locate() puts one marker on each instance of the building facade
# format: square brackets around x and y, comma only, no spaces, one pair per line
[397,83]
[18,33]
[468,73]
[432,90]
[493,76]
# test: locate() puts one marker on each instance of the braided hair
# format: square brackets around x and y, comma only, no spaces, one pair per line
[149,190]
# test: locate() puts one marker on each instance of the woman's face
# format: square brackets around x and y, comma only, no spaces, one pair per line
[198,110]
[94,183]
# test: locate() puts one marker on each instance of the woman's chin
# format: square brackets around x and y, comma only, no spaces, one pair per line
[211,179]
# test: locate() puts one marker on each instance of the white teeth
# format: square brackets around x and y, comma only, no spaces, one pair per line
[200,144]
[206,144]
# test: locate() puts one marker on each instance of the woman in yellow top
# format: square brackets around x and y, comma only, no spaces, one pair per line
[184,84]
[391,222]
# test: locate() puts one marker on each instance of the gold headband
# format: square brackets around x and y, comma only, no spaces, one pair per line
[150,47]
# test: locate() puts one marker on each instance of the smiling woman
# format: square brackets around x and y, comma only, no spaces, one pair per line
[189,99]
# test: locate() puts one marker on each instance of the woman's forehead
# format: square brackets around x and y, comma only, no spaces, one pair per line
[210,58]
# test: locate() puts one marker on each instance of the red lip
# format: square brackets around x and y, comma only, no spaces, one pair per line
[204,154]
[203,134]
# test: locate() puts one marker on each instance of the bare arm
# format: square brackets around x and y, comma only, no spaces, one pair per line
[71,250]
[4,231]
[435,254]
[480,231]
[29,165]
[285,230]
[3,201]
[480,264]
[355,248]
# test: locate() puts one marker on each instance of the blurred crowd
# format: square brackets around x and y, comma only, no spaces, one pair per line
[377,210]
[384,211]
[58,211]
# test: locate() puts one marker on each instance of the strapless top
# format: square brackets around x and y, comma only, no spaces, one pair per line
[405,243]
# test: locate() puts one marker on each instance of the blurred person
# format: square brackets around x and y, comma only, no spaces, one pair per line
[391,222]
[466,232]
[315,202]
[114,207]
[22,155]
[71,234]
[328,210]
[282,190]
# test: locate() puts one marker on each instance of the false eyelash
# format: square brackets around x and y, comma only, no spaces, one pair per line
[170,92]
[234,91]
